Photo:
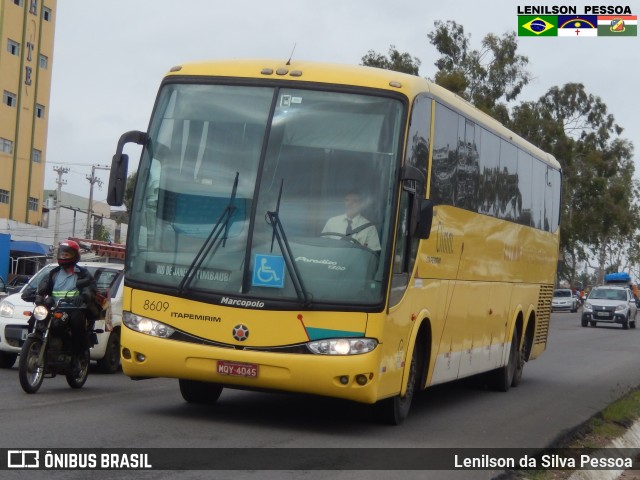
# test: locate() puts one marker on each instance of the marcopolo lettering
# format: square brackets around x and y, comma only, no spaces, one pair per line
[236,302]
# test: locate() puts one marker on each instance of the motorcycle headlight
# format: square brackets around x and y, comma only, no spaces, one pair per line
[6,309]
[146,325]
[40,312]
[342,346]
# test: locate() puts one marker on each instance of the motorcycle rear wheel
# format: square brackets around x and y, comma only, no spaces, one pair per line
[30,371]
[78,376]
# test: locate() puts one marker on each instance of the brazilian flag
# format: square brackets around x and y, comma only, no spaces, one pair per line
[537,26]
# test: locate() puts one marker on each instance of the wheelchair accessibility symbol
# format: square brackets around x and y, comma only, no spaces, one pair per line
[268,271]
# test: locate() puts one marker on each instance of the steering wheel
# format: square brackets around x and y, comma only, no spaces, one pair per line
[341,236]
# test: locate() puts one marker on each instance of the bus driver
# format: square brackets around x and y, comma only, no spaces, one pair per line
[353,225]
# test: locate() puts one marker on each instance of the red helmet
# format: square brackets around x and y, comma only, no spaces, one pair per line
[68,253]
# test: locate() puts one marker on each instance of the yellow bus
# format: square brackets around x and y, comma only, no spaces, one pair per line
[333,230]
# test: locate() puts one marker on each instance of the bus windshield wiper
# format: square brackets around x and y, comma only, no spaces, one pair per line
[218,236]
[273,218]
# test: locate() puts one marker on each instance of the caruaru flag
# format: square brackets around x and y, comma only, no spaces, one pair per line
[617,25]
[577,25]
[537,26]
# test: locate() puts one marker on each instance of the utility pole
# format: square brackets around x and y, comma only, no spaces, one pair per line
[56,231]
[92,180]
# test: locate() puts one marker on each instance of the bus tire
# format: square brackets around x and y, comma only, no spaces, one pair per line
[523,354]
[502,378]
[394,410]
[204,393]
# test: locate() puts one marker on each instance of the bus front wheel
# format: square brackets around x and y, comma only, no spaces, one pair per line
[394,410]
[199,392]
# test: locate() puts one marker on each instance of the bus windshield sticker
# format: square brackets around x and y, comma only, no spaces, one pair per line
[206,274]
[268,271]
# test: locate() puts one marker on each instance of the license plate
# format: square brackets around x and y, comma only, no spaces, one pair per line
[236,369]
[25,332]
[602,314]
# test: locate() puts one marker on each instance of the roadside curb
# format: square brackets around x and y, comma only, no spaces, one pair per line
[631,439]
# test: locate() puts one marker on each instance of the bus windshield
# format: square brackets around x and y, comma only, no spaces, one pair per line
[265,192]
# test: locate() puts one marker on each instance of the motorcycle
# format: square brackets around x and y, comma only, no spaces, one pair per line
[47,350]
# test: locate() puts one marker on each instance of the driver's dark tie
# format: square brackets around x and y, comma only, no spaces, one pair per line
[349,228]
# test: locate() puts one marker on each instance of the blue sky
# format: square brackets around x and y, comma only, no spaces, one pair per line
[109,57]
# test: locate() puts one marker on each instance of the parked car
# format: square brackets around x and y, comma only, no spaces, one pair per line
[564,299]
[15,312]
[610,304]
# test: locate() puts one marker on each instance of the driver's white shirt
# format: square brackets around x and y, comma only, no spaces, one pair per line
[367,237]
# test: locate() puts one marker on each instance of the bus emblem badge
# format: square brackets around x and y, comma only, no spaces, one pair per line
[240,333]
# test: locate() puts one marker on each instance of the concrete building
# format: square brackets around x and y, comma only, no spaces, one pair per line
[26,59]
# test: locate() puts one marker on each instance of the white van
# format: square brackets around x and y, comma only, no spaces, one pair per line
[15,312]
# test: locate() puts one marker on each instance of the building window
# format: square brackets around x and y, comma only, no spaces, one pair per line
[13,47]
[43,61]
[46,14]
[33,204]
[39,111]
[36,156]
[9,99]
[4,196]
[18,2]
[6,146]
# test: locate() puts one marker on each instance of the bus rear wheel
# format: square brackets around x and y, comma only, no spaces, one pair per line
[394,410]
[199,392]
[502,378]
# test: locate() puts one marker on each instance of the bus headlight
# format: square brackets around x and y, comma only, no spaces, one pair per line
[146,325]
[342,346]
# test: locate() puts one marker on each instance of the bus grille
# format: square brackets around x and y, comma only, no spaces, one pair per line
[543,314]
[185,337]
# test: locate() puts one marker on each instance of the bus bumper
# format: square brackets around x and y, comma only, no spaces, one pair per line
[350,377]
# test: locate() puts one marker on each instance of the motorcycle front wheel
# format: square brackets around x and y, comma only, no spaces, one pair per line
[30,371]
[79,370]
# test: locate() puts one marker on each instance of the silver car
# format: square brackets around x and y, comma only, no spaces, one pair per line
[564,299]
[610,304]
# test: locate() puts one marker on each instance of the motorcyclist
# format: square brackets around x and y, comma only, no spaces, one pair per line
[76,284]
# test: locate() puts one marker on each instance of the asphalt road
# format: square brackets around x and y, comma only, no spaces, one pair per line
[582,371]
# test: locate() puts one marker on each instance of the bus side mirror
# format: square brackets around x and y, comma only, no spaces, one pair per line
[424,210]
[413,182]
[120,165]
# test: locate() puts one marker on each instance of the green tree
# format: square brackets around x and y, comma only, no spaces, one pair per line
[396,61]
[101,233]
[490,77]
[599,209]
